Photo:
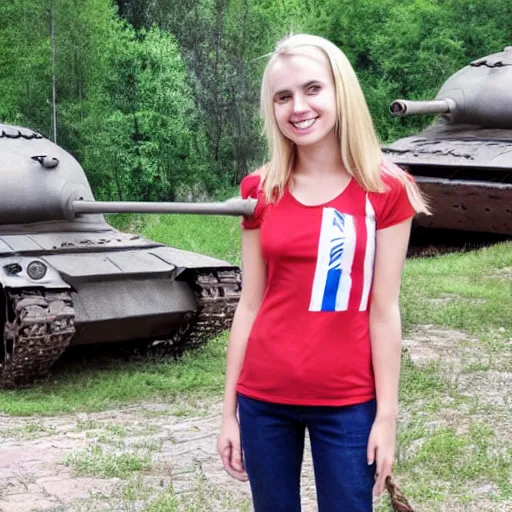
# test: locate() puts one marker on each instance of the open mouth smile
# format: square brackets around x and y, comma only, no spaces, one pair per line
[302,125]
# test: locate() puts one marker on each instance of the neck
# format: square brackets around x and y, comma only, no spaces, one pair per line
[321,158]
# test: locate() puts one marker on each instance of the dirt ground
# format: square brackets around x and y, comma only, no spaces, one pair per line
[122,460]
[34,475]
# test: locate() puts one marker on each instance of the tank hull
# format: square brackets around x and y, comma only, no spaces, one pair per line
[467,206]
[465,173]
[149,307]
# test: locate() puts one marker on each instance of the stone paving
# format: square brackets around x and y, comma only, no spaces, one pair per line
[34,476]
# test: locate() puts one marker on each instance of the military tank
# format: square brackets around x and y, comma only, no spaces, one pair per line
[69,278]
[463,161]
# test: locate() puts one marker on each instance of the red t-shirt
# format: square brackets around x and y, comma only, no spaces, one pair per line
[310,341]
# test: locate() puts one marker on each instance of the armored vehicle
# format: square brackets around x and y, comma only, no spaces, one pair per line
[463,162]
[68,278]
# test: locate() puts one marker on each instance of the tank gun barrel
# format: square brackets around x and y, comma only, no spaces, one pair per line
[234,206]
[409,107]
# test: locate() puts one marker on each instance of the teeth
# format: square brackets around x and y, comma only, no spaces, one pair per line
[304,124]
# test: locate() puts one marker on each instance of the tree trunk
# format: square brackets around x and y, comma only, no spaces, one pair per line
[218,107]
[54,92]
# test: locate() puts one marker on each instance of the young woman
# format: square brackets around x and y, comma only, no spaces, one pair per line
[316,339]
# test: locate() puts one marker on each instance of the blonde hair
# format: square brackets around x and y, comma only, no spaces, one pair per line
[359,146]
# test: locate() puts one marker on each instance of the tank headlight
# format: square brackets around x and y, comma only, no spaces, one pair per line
[13,268]
[36,270]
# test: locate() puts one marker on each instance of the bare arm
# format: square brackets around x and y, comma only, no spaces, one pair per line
[253,288]
[386,343]
[385,321]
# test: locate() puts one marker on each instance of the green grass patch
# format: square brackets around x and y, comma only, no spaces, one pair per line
[148,446]
[416,382]
[136,489]
[463,291]
[215,236]
[166,502]
[84,425]
[96,461]
[32,430]
[86,388]
[451,462]
[205,497]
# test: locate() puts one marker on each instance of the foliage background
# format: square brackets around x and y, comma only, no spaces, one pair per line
[158,99]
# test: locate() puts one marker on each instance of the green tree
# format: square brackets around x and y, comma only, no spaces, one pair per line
[25,61]
[140,130]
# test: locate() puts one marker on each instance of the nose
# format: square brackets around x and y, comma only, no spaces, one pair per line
[299,103]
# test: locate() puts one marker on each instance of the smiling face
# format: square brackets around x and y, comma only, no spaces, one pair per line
[303,94]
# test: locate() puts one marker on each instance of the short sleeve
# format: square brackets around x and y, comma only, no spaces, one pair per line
[395,206]
[250,187]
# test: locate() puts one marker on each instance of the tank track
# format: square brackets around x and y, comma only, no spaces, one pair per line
[38,327]
[217,293]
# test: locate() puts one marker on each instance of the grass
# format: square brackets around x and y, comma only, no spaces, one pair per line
[98,462]
[31,430]
[417,382]
[216,236]
[479,295]
[166,502]
[80,388]
[204,498]
[451,462]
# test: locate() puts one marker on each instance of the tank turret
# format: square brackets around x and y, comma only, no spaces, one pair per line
[463,161]
[479,94]
[68,278]
[41,182]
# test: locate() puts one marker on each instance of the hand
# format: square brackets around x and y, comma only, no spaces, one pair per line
[381,449]
[228,446]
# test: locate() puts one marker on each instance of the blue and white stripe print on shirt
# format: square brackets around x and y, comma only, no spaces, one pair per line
[369,255]
[332,282]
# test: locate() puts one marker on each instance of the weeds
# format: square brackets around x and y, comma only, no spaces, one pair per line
[96,461]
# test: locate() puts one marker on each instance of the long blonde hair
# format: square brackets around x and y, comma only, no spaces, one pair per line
[360,149]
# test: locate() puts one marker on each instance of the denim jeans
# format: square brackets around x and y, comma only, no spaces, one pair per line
[273,446]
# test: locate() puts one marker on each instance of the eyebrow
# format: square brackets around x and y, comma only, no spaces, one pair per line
[305,86]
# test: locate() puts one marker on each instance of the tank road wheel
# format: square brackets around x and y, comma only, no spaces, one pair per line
[39,325]
[217,293]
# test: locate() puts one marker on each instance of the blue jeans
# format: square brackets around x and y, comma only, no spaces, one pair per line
[273,446]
